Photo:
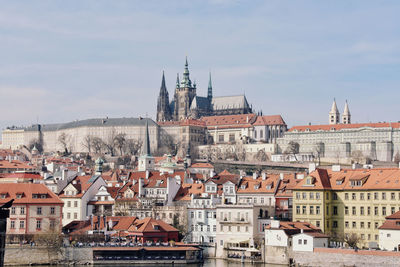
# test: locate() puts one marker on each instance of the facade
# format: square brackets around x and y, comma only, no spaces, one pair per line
[35,209]
[76,196]
[346,201]
[77,133]
[344,142]
[389,233]
[186,103]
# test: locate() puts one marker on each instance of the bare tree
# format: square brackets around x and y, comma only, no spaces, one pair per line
[240,151]
[352,240]
[97,144]
[64,140]
[396,158]
[52,240]
[133,146]
[292,148]
[36,143]
[119,141]
[319,151]
[357,156]
[261,155]
[87,142]
[109,143]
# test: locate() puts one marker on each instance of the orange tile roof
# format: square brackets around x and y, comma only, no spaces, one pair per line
[24,175]
[81,183]
[372,179]
[202,165]
[328,127]
[147,225]
[269,120]
[28,190]
[244,120]
[14,164]
[186,190]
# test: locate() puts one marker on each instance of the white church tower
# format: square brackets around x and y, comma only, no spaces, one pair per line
[146,161]
[334,115]
[346,117]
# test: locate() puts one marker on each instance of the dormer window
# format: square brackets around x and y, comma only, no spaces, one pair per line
[256,186]
[309,181]
[19,195]
[356,183]
[243,186]
[339,181]
[269,186]
[3,195]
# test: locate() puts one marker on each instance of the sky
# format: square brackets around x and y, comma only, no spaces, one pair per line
[66,60]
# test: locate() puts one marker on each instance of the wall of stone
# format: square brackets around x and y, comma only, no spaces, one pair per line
[17,256]
[345,257]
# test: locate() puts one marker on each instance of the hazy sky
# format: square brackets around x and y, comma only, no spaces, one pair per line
[68,60]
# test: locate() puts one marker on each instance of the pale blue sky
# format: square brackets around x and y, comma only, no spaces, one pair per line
[67,60]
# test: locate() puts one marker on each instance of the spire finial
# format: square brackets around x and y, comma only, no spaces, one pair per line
[209,93]
[163,81]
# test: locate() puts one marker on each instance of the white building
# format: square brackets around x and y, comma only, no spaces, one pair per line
[309,241]
[389,233]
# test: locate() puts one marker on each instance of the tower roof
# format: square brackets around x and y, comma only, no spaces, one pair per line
[163,81]
[186,82]
[209,93]
[346,109]
[334,108]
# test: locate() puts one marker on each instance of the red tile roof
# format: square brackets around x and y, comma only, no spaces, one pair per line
[244,120]
[269,120]
[202,165]
[28,190]
[148,225]
[328,127]
[14,164]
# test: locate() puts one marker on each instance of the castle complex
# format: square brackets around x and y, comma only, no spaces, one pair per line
[187,104]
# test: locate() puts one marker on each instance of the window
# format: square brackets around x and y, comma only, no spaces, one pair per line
[346,210]
[68,203]
[317,223]
[346,196]
[362,236]
[199,215]
[22,224]
[221,138]
[392,196]
[393,210]
[327,210]
[354,224]
[192,214]
[304,210]
[12,224]
[238,228]
[300,241]
[75,215]
[375,211]
[232,138]
[297,195]
[75,203]
[317,196]
[369,225]
[297,209]
[311,195]
[52,210]
[383,196]
[311,209]
[383,210]
[346,224]
[361,210]
[368,196]
[214,228]
[362,196]
[368,210]
[335,224]
[52,224]
[353,196]
[335,210]
[317,210]
[13,210]
[376,237]
[305,241]
[211,239]
[68,215]
[304,195]
[353,211]
[39,210]
[327,196]
[38,224]
[376,196]
[361,224]
[376,225]
[22,210]
[335,196]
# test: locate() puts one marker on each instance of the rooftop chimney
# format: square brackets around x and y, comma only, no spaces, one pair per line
[312,167]
[264,175]
[255,175]
[64,174]
[281,175]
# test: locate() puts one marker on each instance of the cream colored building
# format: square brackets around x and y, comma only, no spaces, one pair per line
[75,133]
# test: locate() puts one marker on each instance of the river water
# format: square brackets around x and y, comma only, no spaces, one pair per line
[207,263]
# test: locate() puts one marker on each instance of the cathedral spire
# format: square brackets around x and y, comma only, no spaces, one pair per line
[334,113]
[346,117]
[209,93]
[185,79]
[177,80]
[163,87]
[163,110]
[146,150]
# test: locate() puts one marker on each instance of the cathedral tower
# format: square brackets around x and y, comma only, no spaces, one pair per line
[209,92]
[184,94]
[334,115]
[163,109]
[346,117]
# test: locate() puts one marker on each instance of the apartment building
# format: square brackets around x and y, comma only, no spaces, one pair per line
[346,201]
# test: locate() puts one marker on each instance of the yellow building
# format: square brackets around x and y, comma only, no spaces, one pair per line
[348,201]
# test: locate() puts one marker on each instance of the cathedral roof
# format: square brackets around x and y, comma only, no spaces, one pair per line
[199,102]
[229,102]
[269,120]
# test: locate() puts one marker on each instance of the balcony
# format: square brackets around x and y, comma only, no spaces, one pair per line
[234,221]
